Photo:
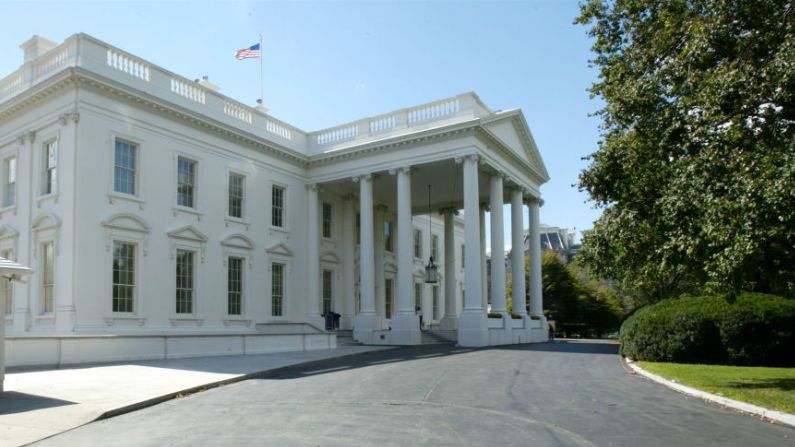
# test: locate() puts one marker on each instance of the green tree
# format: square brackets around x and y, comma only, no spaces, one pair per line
[695,168]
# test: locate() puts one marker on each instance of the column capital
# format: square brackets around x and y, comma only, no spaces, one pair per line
[470,157]
[534,200]
[401,170]
[449,210]
[502,175]
[26,137]
[314,187]
[364,177]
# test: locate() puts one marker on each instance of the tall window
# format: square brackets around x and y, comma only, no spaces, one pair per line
[124,167]
[327,290]
[388,297]
[50,167]
[10,186]
[234,286]
[186,182]
[358,228]
[47,277]
[236,192]
[417,295]
[327,217]
[9,306]
[388,235]
[417,243]
[277,289]
[184,282]
[435,247]
[123,276]
[435,291]
[277,206]
[463,256]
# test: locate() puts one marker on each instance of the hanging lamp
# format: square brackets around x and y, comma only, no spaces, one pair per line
[431,272]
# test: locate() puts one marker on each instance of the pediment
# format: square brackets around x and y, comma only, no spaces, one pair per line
[45,220]
[238,241]
[280,249]
[188,232]
[330,257]
[7,231]
[512,131]
[126,221]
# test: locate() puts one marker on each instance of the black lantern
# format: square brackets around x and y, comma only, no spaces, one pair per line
[431,272]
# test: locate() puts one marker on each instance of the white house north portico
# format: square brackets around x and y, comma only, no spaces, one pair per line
[164,219]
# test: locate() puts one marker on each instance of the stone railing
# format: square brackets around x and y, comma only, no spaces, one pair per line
[119,66]
[459,107]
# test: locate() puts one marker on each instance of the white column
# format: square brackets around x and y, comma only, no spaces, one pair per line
[536,300]
[484,280]
[450,320]
[517,253]
[365,320]
[497,246]
[2,331]
[348,261]
[472,324]
[380,253]
[313,257]
[405,323]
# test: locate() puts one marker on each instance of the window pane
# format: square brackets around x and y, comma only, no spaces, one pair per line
[123,276]
[277,206]
[236,185]
[124,167]
[184,282]
[186,182]
[327,290]
[234,286]
[49,164]
[9,306]
[47,277]
[327,216]
[277,290]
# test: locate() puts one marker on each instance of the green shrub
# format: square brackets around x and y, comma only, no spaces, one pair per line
[753,329]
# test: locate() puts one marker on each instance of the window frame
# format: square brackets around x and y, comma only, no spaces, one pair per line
[241,280]
[194,206]
[243,208]
[327,289]
[283,296]
[389,236]
[136,177]
[49,184]
[327,219]
[282,207]
[135,266]
[435,247]
[8,309]
[9,204]
[417,233]
[192,289]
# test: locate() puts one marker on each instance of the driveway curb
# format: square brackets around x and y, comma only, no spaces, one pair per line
[771,415]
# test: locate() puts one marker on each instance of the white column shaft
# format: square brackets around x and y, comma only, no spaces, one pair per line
[449,266]
[484,280]
[472,236]
[405,243]
[313,253]
[348,259]
[497,246]
[517,254]
[536,299]
[367,251]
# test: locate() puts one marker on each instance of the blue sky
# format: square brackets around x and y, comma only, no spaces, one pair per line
[327,63]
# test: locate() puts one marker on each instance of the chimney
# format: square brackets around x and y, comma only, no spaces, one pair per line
[205,82]
[36,46]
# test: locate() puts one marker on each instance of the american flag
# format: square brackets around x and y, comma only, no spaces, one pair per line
[250,52]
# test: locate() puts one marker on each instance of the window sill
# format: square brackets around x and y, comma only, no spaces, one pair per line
[44,318]
[8,209]
[280,229]
[187,210]
[125,318]
[236,220]
[48,197]
[117,196]
[186,320]
[232,320]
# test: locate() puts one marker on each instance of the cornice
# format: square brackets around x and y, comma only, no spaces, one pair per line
[492,141]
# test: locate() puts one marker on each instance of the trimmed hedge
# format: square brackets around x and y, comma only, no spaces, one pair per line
[751,329]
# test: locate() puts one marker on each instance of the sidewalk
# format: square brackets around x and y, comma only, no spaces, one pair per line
[38,404]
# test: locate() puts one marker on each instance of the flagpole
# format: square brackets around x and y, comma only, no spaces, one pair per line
[261,82]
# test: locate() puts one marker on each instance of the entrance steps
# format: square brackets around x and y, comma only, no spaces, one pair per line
[345,338]
[430,337]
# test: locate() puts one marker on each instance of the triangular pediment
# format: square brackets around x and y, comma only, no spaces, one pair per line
[512,131]
[238,241]
[330,257]
[46,220]
[188,232]
[280,249]
[7,231]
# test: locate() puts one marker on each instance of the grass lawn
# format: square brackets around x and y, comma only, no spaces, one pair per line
[772,388]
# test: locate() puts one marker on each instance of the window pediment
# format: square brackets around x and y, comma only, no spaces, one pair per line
[126,221]
[279,249]
[188,232]
[330,257]
[7,231]
[238,240]
[45,221]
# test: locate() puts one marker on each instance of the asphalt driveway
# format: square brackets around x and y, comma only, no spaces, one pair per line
[551,394]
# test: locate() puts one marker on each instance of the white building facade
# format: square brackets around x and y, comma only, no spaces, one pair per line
[163,219]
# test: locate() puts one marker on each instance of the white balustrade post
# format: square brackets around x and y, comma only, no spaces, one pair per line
[498,302]
[472,324]
[365,321]
[405,323]
[517,253]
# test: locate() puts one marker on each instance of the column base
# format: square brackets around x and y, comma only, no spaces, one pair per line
[473,329]
[405,330]
[448,323]
[364,326]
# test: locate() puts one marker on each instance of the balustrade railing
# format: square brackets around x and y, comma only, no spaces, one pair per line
[188,90]
[128,64]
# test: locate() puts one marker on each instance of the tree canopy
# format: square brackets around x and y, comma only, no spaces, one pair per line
[695,168]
